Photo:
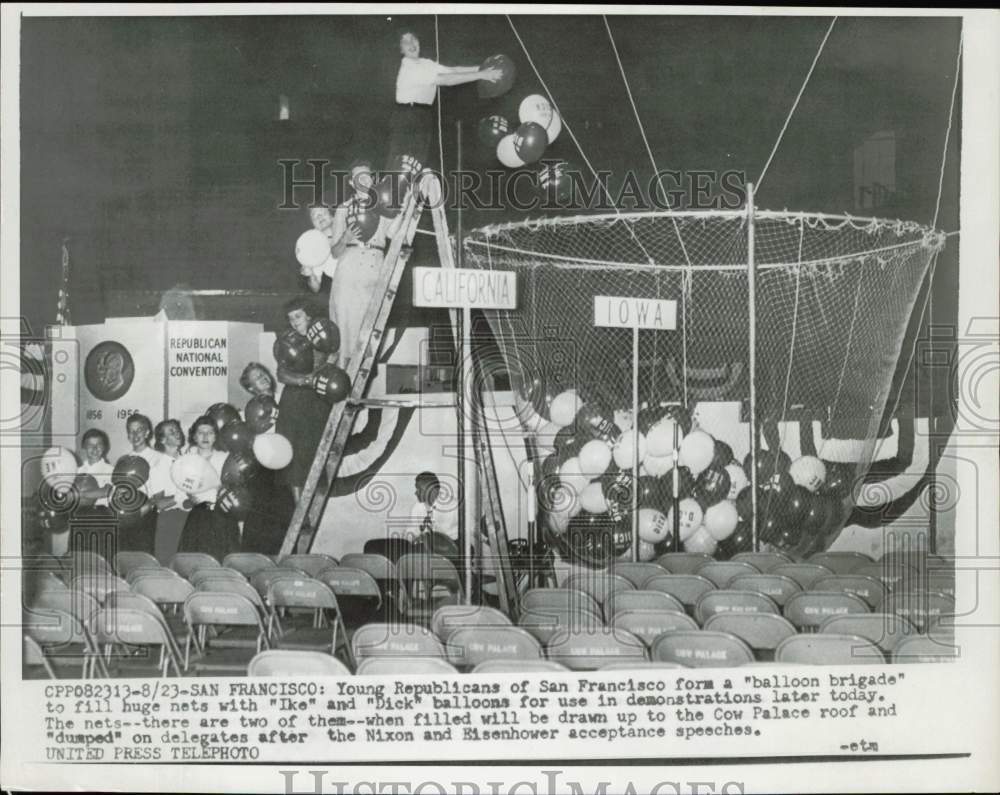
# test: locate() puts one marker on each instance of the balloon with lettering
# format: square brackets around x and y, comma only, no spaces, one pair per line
[272,450]
[691,516]
[332,382]
[654,526]
[738,480]
[192,473]
[712,486]
[625,449]
[808,471]
[58,466]
[555,182]
[51,520]
[223,413]
[536,108]
[492,129]
[324,335]
[239,468]
[593,420]
[530,140]
[234,502]
[595,457]
[260,413]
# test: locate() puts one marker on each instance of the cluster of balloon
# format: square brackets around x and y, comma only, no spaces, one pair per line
[234,501]
[332,382]
[539,126]
[260,413]
[324,335]
[293,352]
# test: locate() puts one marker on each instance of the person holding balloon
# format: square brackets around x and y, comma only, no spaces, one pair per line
[137,512]
[168,439]
[95,447]
[198,474]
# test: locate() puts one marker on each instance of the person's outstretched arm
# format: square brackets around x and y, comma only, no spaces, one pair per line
[466,74]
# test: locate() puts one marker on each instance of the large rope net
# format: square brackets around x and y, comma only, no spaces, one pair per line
[834,298]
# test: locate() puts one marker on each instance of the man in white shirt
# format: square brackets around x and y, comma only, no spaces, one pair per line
[412,123]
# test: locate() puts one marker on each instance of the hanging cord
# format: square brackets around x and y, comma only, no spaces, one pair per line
[777,143]
[947,132]
[572,135]
[795,323]
[437,57]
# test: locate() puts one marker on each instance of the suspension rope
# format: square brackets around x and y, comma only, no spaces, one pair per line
[795,323]
[572,135]
[437,57]
[947,132]
[795,104]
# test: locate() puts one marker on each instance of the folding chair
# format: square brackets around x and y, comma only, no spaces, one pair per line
[778,588]
[383,571]
[518,667]
[938,581]
[885,630]
[642,600]
[200,576]
[599,584]
[206,609]
[450,618]
[545,622]
[828,649]
[762,632]
[637,572]
[925,649]
[727,601]
[248,563]
[683,562]
[404,666]
[81,605]
[423,578]
[588,651]
[808,610]
[66,642]
[163,588]
[327,631]
[129,600]
[868,588]
[262,579]
[467,647]
[701,649]
[686,588]
[648,625]
[804,574]
[187,563]
[640,665]
[312,563]
[99,585]
[840,562]
[288,663]
[889,572]
[395,640]
[720,572]
[134,633]
[81,563]
[357,593]
[763,561]
[33,658]
[142,571]
[244,637]
[920,608]
[560,599]
[127,561]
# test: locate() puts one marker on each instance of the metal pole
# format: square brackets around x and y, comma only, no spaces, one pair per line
[635,444]
[752,297]
[675,500]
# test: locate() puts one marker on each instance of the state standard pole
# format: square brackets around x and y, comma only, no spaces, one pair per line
[752,374]
[635,442]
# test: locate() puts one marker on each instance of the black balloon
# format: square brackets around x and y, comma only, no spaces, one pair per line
[797,505]
[126,501]
[261,413]
[51,520]
[238,469]
[594,421]
[768,463]
[293,352]
[839,479]
[390,193]
[685,482]
[224,413]
[723,454]
[712,486]
[741,540]
[617,486]
[132,470]
[324,335]
[744,504]
[555,182]
[567,443]
[591,538]
[788,537]
[234,502]
[654,493]
[491,129]
[236,437]
[332,382]
[824,512]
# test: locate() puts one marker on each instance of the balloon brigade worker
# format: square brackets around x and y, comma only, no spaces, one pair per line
[412,122]
[139,483]
[198,473]
[300,351]
[97,529]
[168,439]
[435,517]
[270,501]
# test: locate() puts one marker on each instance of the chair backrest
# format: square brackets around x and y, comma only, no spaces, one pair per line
[186,563]
[428,568]
[127,560]
[642,600]
[938,581]
[450,618]
[99,585]
[726,601]
[198,577]
[720,572]
[760,631]
[133,628]
[807,610]
[777,587]
[312,563]
[648,625]
[53,627]
[868,588]
[215,608]
[764,561]
[230,585]
[599,584]
[378,566]
[701,649]
[289,662]
[305,592]
[142,571]
[686,588]
[469,646]
[32,654]
[637,572]
[163,588]
[639,665]
[805,574]
[518,667]
[560,599]
[544,622]
[395,640]
[404,666]
[840,562]
[920,608]
[261,580]
[889,572]
[925,649]
[248,563]
[130,600]
[589,650]
[885,630]
[828,649]
[683,562]
[83,606]
[350,582]
[82,562]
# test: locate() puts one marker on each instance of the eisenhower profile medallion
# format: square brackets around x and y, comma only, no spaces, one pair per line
[109,371]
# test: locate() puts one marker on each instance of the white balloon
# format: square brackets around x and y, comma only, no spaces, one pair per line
[535,108]
[721,520]
[272,450]
[564,499]
[59,467]
[656,466]
[738,480]
[564,407]
[697,451]
[592,498]
[701,542]
[624,451]
[554,127]
[808,472]
[660,439]
[653,525]
[646,550]
[558,521]
[571,475]
[312,249]
[595,457]
[691,517]
[546,436]
[506,153]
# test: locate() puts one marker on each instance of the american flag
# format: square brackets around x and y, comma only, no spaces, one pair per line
[62,309]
